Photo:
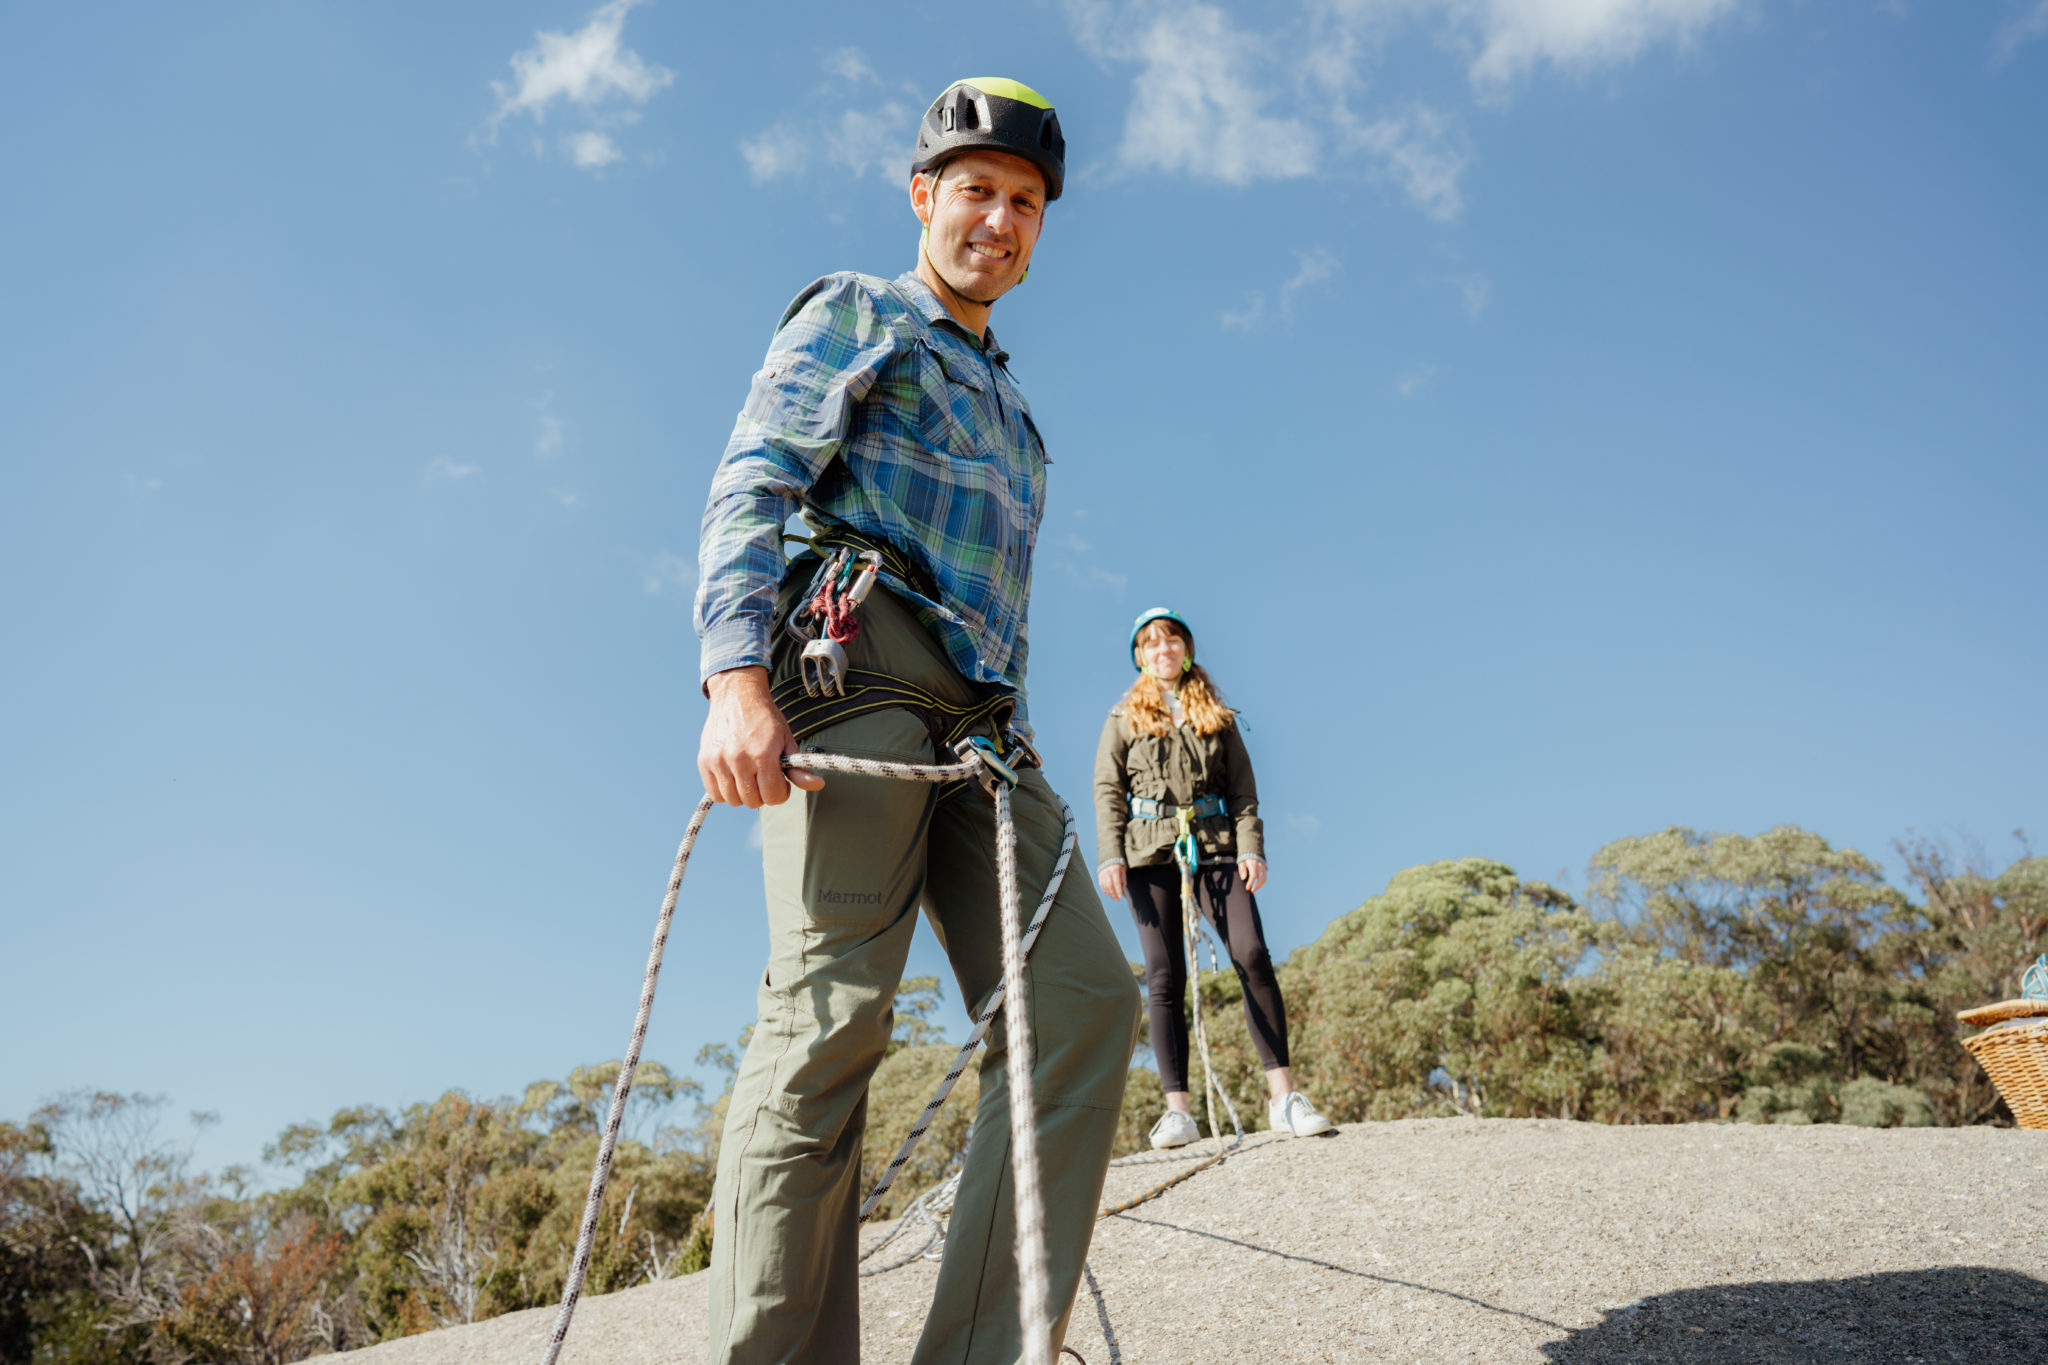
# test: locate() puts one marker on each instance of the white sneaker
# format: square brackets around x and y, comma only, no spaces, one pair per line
[1175,1129]
[1292,1113]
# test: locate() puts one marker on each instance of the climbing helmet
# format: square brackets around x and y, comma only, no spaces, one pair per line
[996,114]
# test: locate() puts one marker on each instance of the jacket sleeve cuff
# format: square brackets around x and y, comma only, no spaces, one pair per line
[1108,862]
[736,642]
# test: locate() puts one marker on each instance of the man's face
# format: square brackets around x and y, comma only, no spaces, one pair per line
[985,212]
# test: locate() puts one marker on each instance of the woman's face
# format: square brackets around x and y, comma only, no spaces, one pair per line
[1164,651]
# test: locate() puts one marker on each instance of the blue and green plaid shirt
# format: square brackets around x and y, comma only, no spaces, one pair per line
[876,407]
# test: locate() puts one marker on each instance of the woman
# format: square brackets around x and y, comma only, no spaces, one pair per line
[1172,743]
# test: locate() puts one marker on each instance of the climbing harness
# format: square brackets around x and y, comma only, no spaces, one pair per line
[841,584]
[1208,807]
[826,690]
[982,761]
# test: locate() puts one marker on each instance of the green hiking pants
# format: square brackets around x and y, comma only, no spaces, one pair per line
[846,869]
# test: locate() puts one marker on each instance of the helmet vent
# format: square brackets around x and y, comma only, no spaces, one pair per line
[997,115]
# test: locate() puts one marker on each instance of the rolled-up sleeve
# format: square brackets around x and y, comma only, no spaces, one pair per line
[826,355]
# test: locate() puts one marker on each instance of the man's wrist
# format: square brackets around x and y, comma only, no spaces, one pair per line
[749,681]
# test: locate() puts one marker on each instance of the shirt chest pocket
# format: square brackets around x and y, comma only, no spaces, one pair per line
[955,414]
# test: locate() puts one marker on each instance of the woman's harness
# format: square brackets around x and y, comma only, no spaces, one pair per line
[1208,807]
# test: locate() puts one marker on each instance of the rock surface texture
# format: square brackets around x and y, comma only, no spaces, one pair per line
[1496,1241]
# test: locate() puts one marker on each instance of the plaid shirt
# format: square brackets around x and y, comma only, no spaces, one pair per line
[876,407]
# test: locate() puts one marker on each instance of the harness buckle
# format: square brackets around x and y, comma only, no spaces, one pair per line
[994,768]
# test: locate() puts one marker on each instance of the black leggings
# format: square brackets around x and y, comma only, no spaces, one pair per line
[1233,913]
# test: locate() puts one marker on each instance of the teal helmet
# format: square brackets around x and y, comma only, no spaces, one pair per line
[1151,614]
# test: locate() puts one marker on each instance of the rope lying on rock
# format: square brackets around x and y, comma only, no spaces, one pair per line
[1009,997]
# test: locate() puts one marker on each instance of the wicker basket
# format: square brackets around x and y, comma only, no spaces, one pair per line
[2014,1053]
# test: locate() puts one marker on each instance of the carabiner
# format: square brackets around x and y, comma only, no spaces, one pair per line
[994,767]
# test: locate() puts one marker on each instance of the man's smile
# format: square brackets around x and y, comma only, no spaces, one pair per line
[985,249]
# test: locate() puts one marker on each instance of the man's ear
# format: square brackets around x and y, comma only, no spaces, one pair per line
[921,198]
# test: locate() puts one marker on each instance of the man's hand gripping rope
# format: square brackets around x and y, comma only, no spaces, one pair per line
[743,759]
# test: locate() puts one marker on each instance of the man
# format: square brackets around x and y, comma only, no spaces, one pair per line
[886,411]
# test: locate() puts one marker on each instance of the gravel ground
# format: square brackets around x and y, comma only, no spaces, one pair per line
[1498,1241]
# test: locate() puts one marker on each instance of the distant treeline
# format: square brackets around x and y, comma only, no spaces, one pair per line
[1767,979]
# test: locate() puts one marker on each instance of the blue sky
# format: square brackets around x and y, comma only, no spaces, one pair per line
[1560,418]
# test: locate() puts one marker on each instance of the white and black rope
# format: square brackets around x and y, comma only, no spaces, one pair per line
[982,1023]
[1009,997]
[579,1266]
[1028,1206]
[1212,1087]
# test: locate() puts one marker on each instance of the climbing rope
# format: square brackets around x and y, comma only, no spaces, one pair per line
[1069,840]
[978,760]
[1187,856]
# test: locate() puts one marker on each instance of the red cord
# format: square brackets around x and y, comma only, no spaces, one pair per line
[836,613]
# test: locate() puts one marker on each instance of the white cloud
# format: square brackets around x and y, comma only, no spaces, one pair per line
[755,838]
[1475,291]
[1415,381]
[775,152]
[667,573]
[880,141]
[1307,824]
[563,497]
[850,64]
[860,141]
[548,443]
[2017,33]
[591,68]
[1514,36]
[1198,103]
[1313,268]
[1425,153]
[1078,564]
[443,469]
[1221,95]
[593,150]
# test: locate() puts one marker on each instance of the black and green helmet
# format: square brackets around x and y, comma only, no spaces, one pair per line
[998,115]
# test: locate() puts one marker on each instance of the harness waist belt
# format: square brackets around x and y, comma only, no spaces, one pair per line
[865,690]
[1205,808]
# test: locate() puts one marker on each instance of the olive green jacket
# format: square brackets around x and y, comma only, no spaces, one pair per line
[1180,768]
